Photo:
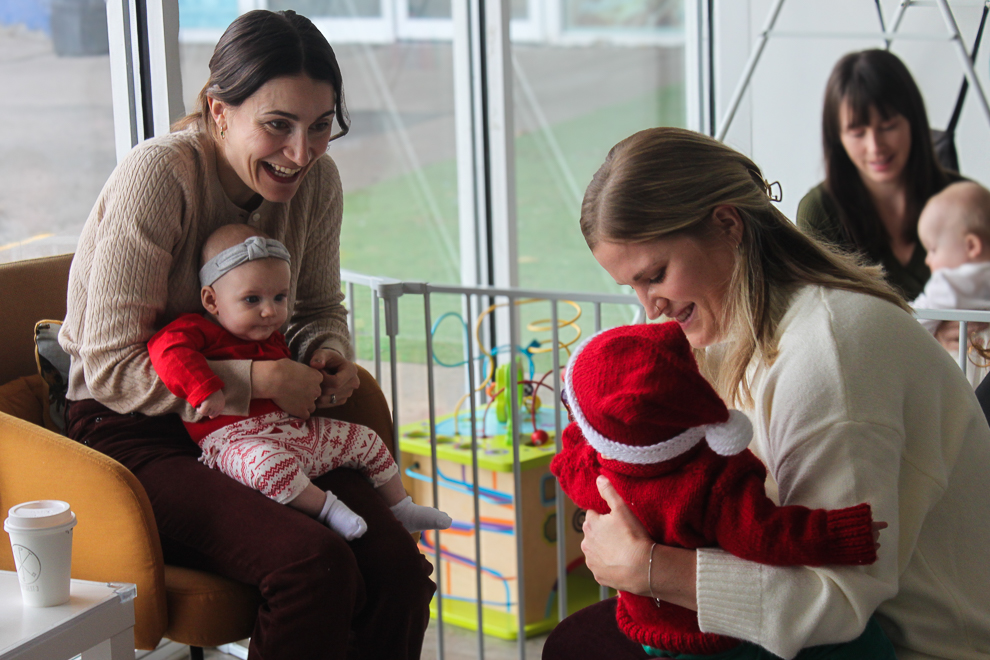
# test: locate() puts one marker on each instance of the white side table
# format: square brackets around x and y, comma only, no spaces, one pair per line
[98,621]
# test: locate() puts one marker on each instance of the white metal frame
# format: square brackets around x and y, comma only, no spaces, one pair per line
[161,28]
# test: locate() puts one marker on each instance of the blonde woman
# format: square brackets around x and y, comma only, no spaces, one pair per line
[851,401]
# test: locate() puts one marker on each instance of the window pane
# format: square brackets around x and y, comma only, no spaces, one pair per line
[58,141]
[397,164]
[334,8]
[641,14]
[429,8]
[572,104]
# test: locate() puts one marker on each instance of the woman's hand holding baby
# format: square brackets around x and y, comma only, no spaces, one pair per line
[212,405]
[340,377]
[293,387]
[617,550]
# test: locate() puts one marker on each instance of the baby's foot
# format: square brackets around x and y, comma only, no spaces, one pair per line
[337,516]
[416,518]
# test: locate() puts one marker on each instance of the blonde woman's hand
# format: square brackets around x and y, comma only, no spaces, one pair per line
[294,387]
[617,549]
[340,377]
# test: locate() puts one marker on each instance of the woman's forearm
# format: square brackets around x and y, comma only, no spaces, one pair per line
[617,550]
[673,576]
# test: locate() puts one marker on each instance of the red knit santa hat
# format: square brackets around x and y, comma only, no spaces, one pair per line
[636,393]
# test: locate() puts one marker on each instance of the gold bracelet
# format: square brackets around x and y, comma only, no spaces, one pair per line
[649,575]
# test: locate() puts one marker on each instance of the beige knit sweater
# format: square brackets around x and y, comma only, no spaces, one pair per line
[137,268]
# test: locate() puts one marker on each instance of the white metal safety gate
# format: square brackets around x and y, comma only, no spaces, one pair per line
[481,360]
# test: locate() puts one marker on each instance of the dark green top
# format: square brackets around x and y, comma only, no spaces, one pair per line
[818,215]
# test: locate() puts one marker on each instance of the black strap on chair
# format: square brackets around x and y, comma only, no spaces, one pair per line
[945,141]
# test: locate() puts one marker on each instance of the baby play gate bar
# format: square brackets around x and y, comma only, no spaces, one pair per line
[514,546]
[496,573]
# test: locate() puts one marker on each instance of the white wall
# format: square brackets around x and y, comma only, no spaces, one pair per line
[779,122]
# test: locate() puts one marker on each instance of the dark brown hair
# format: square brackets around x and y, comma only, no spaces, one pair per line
[876,79]
[664,182]
[262,45]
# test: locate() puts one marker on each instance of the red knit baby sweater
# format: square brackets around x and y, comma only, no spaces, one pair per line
[179,354]
[701,499]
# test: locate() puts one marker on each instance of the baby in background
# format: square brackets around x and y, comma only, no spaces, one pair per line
[245,288]
[954,228]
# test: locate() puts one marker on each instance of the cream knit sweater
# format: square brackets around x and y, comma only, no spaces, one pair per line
[863,405]
[137,268]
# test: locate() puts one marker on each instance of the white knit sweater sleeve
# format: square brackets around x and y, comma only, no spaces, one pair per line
[856,381]
[786,609]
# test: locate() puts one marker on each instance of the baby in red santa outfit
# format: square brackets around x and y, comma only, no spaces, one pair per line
[644,417]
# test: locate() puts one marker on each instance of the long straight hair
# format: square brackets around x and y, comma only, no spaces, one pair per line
[879,80]
[260,46]
[663,182]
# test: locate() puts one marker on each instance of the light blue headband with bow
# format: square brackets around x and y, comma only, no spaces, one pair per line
[256,247]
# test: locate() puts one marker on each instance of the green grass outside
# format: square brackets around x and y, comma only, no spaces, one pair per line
[389,231]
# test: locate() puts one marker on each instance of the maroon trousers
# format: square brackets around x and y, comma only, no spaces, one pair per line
[324,598]
[591,634]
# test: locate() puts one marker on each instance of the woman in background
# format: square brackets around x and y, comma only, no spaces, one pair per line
[880,168]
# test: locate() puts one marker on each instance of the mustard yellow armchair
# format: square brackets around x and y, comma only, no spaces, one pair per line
[116,539]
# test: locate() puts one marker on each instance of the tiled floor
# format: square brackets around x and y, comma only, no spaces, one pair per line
[459,644]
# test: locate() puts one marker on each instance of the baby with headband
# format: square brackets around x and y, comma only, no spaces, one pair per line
[245,283]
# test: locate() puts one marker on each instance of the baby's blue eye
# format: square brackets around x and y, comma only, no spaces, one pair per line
[251,300]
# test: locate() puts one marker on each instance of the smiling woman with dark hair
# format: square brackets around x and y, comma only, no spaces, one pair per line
[880,167]
[255,153]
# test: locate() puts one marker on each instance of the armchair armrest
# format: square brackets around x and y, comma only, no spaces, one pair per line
[116,539]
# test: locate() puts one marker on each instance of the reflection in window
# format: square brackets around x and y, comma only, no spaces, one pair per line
[58,140]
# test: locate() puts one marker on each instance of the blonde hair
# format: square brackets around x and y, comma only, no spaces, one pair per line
[666,181]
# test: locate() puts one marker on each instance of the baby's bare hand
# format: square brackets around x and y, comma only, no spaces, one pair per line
[213,405]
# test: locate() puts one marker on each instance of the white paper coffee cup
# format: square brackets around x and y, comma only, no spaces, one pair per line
[41,538]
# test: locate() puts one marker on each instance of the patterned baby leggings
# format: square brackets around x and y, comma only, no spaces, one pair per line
[277,453]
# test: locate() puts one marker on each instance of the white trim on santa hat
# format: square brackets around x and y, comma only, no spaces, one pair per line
[727,438]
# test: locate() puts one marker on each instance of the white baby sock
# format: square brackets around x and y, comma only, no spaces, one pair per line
[337,516]
[416,518]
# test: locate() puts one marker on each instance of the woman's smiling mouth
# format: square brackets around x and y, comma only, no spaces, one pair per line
[685,314]
[281,174]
